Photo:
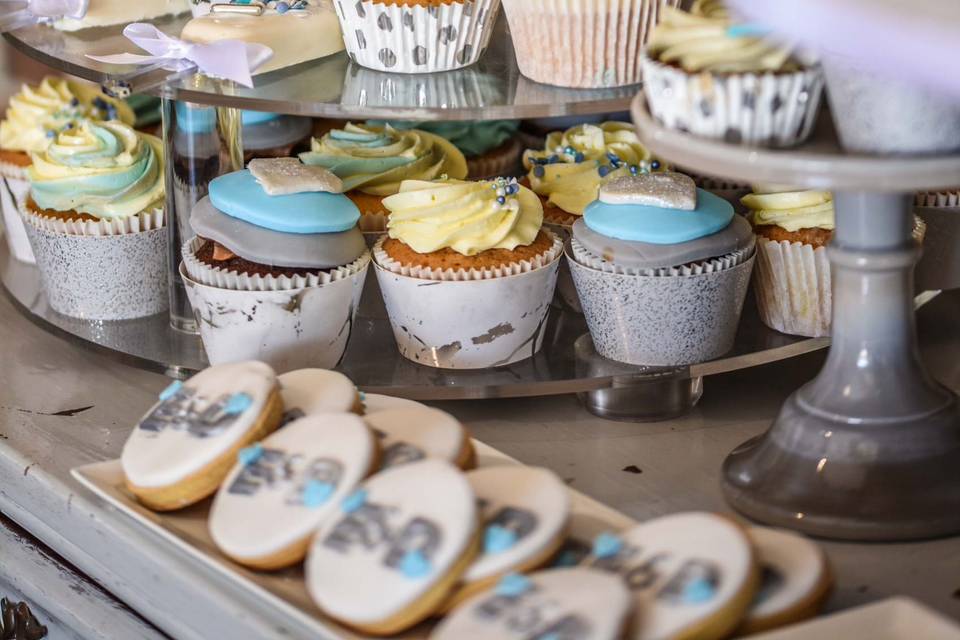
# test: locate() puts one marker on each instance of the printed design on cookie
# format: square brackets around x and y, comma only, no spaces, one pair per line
[182,408]
[410,434]
[692,574]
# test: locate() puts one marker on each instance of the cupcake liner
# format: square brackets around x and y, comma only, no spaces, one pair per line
[12,192]
[14,171]
[582,43]
[204,274]
[402,38]
[792,285]
[372,222]
[662,321]
[102,277]
[147,220]
[471,323]
[714,265]
[464,88]
[387,263]
[502,161]
[371,304]
[770,109]
[566,291]
[288,329]
[949,198]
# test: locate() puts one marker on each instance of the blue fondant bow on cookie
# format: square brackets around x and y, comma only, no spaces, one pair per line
[231,59]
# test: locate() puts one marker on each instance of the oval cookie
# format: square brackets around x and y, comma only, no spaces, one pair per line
[795,579]
[309,391]
[558,603]
[408,434]
[524,511]
[182,449]
[390,555]
[283,488]
[374,402]
[693,575]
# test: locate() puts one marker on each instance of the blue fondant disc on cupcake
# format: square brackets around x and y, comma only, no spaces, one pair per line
[658,225]
[239,195]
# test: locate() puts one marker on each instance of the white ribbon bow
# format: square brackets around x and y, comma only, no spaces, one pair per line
[231,59]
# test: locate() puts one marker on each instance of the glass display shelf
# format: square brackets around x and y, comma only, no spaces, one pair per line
[331,87]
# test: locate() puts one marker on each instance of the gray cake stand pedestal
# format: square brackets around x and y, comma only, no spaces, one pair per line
[870,448]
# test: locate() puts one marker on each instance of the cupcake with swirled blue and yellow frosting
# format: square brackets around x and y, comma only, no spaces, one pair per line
[467,271]
[373,161]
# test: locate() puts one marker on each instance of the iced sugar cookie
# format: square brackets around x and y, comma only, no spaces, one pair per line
[561,604]
[374,402]
[282,488]
[524,511]
[180,452]
[795,579]
[693,575]
[396,548]
[309,391]
[413,433]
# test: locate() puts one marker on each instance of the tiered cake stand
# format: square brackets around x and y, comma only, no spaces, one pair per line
[335,88]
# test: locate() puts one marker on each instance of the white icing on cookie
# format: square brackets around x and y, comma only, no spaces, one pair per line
[685,570]
[309,391]
[414,433]
[374,402]
[572,604]
[391,541]
[196,422]
[524,511]
[297,480]
[795,574]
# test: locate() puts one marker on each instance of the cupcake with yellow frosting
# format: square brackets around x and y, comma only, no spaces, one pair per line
[467,272]
[94,217]
[33,117]
[708,74]
[372,161]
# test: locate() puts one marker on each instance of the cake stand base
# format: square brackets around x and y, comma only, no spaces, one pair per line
[648,400]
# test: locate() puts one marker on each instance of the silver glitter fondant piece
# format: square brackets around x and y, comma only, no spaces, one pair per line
[252,9]
[669,190]
[284,176]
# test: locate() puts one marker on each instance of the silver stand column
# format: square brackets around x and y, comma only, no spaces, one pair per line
[870,449]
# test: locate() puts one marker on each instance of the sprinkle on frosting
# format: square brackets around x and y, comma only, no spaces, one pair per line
[668,190]
[105,169]
[574,163]
[467,217]
[706,42]
[791,210]
[376,160]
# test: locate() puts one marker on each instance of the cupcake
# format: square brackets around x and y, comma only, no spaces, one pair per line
[583,44]
[33,118]
[94,217]
[417,36]
[103,13]
[491,147]
[271,135]
[662,270]
[467,272]
[705,74]
[277,267]
[373,161]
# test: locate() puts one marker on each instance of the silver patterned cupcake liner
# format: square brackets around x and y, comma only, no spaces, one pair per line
[416,39]
[764,109]
[662,320]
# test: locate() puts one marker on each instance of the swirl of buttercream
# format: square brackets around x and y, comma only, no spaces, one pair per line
[791,210]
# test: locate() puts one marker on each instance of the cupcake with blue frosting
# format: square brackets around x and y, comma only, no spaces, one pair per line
[662,270]
[277,267]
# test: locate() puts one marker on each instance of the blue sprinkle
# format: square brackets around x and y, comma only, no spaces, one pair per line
[539,171]
[237,404]
[316,493]
[578,157]
[607,545]
[282,7]
[512,189]
[698,592]
[501,200]
[99,103]
[654,164]
[249,455]
[363,396]
[513,585]
[569,151]
[74,102]
[51,133]
[414,565]
[747,31]
[171,390]
[603,170]
[497,539]
[634,169]
[612,157]
[553,160]
[354,501]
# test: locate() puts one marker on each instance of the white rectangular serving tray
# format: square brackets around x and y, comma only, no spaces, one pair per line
[285,591]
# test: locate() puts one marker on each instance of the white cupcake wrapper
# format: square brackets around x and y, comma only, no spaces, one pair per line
[714,265]
[381,258]
[416,39]
[770,109]
[14,171]
[793,288]
[372,222]
[148,220]
[233,280]
[582,43]
[937,198]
